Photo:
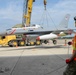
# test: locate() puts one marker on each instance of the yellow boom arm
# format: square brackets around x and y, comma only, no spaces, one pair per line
[29,10]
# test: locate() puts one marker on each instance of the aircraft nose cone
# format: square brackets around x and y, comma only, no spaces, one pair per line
[38,38]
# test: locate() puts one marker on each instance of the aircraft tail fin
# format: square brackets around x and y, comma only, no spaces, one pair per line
[64,22]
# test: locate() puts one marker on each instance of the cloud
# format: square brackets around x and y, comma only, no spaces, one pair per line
[12,13]
[57,11]
[63,7]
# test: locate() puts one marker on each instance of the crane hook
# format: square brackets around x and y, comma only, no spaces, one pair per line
[45,4]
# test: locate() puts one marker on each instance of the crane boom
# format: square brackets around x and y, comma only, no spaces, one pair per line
[27,11]
[24,11]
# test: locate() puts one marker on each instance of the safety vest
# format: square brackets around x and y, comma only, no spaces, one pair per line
[74,43]
[74,47]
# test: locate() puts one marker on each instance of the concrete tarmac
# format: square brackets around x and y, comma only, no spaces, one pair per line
[34,60]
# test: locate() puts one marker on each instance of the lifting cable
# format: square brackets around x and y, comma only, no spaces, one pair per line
[45,16]
[52,20]
[42,20]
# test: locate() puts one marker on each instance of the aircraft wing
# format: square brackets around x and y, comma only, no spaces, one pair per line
[11,32]
[38,32]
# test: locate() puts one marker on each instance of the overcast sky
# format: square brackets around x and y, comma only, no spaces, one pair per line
[11,12]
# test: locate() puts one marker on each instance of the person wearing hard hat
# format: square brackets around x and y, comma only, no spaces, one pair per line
[71,67]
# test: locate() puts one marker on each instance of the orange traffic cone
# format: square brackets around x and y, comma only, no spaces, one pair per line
[16,46]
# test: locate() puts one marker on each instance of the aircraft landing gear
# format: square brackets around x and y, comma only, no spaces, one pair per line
[54,42]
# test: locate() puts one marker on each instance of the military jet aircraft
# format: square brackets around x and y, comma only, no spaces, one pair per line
[42,34]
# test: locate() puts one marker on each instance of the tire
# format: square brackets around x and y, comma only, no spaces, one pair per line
[12,43]
[54,42]
[21,43]
[45,41]
[38,42]
[32,43]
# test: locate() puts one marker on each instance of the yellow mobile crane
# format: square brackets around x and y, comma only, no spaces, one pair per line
[14,40]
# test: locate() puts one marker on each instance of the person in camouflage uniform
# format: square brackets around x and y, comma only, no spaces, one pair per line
[71,67]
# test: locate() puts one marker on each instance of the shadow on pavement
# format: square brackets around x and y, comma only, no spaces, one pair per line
[33,65]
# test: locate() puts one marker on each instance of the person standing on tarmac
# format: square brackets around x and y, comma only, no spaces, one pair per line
[71,67]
